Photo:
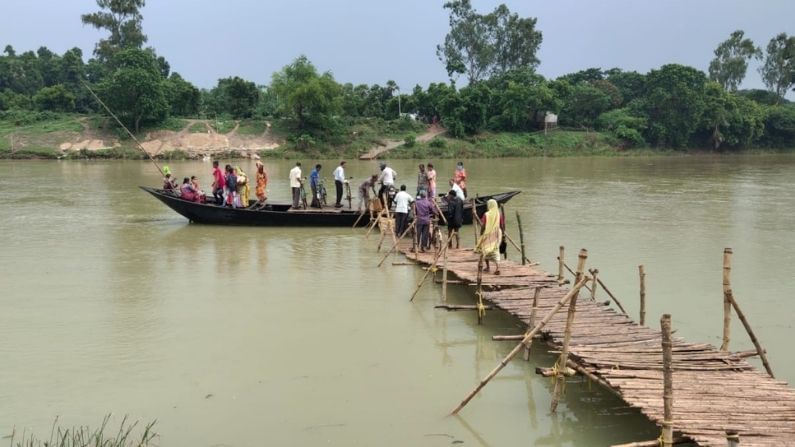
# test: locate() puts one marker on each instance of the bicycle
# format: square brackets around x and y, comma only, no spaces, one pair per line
[321,193]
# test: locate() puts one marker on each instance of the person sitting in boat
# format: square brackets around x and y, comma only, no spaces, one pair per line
[314,182]
[262,183]
[194,181]
[186,191]
[168,182]
[231,186]
[243,189]
[364,192]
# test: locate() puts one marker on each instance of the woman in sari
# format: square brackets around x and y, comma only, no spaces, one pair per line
[490,236]
[243,189]
[262,183]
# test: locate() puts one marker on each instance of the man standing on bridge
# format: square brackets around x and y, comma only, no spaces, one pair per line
[295,183]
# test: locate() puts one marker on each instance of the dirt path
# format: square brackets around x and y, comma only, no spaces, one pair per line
[433,131]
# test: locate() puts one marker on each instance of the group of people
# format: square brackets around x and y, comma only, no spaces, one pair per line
[297,181]
[231,186]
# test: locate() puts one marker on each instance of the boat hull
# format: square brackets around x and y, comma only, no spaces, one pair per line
[280,215]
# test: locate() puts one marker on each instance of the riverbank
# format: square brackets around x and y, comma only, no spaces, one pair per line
[44,135]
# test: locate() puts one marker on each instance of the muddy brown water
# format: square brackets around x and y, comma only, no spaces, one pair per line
[112,303]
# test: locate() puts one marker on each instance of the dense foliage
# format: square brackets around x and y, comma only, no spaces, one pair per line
[673,106]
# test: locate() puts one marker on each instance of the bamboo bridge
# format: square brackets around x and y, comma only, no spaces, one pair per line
[695,392]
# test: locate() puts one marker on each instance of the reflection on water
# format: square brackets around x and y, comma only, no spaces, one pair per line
[109,302]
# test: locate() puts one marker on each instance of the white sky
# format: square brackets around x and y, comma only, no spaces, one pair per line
[372,41]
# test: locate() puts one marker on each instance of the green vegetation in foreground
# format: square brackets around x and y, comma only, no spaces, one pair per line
[83,436]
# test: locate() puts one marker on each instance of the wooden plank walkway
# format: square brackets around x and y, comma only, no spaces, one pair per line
[714,391]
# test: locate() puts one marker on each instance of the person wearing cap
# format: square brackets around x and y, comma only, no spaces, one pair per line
[339,180]
[295,183]
[455,217]
[402,202]
[387,179]
[168,182]
[425,209]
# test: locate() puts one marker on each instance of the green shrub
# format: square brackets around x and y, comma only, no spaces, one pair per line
[438,143]
[631,137]
[410,141]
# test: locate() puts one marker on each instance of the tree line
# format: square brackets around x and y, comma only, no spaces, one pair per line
[671,106]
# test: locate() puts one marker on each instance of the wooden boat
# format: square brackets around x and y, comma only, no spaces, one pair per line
[282,214]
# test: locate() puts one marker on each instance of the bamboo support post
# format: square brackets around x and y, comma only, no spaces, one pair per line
[519,347]
[566,266]
[521,236]
[560,264]
[444,267]
[652,443]
[560,378]
[594,282]
[516,246]
[727,307]
[425,275]
[533,312]
[668,383]
[508,337]
[394,246]
[479,292]
[441,214]
[759,349]
[475,221]
[732,438]
[642,273]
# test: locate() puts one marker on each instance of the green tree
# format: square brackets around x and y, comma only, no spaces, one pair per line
[730,118]
[56,98]
[482,45]
[306,96]
[731,60]
[630,84]
[780,126]
[674,104]
[182,96]
[122,18]
[135,91]
[584,105]
[236,97]
[778,69]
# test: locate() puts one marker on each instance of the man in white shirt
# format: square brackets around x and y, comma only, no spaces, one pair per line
[339,179]
[402,202]
[458,191]
[295,183]
[387,179]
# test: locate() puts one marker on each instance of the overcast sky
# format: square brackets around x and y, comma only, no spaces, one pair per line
[372,41]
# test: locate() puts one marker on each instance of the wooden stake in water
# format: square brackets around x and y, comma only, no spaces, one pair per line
[727,306]
[533,312]
[560,377]
[668,382]
[642,273]
[519,347]
[560,264]
[594,283]
[447,241]
[759,349]
[521,236]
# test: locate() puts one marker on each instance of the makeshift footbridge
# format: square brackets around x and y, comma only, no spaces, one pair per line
[696,392]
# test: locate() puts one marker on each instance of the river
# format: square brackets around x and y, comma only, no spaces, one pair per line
[112,303]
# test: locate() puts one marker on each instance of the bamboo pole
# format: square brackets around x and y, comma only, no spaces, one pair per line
[560,264]
[444,268]
[668,383]
[759,349]
[521,236]
[516,246]
[396,244]
[727,307]
[560,377]
[519,347]
[479,292]
[732,438]
[652,443]
[609,293]
[594,282]
[425,275]
[587,287]
[532,322]
[642,273]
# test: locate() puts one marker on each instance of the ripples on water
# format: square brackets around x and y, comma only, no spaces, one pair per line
[109,302]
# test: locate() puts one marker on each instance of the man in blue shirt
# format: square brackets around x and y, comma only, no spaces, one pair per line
[314,181]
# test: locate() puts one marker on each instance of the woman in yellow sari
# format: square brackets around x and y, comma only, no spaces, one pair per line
[243,189]
[491,236]
[262,183]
